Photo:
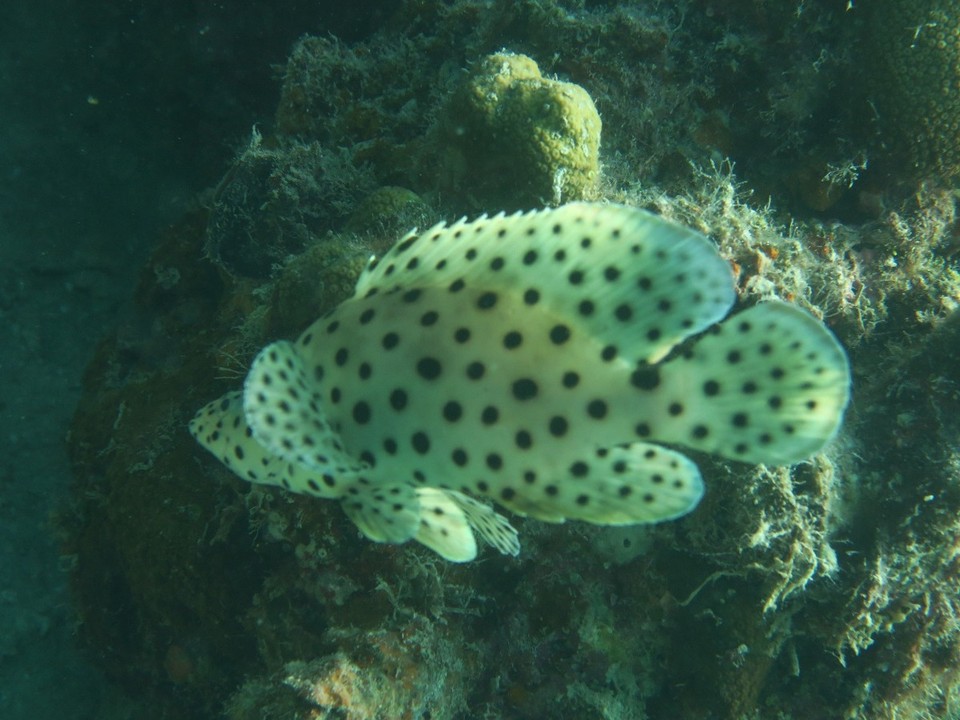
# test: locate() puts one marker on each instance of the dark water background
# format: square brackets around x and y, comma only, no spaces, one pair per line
[113,116]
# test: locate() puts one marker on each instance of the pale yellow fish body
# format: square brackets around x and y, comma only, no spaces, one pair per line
[521,359]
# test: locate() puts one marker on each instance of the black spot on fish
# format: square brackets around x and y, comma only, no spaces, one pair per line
[429,368]
[646,377]
[452,411]
[597,409]
[487,300]
[512,340]
[361,413]
[398,399]
[559,334]
[489,415]
[558,426]
[420,443]
[475,370]
[524,389]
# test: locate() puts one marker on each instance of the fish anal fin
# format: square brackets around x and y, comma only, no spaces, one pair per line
[620,485]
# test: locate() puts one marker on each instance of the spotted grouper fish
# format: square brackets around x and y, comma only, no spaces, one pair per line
[527,360]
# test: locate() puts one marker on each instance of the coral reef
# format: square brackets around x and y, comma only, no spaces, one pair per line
[416,670]
[506,118]
[824,590]
[389,212]
[913,70]
[275,200]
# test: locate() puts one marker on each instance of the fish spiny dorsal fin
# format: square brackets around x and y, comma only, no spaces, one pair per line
[221,428]
[631,279]
[444,527]
[769,385]
[285,414]
[620,485]
[385,512]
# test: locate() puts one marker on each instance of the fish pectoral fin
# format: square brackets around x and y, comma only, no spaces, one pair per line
[621,485]
[490,525]
[449,518]
[385,513]
[444,527]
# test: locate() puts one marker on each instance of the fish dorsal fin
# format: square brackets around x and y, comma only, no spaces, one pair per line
[633,280]
[388,512]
